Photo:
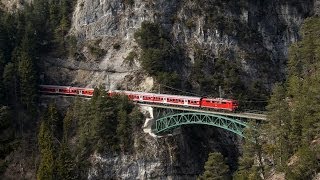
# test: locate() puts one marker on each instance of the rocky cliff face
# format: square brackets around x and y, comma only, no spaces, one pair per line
[180,156]
[256,33]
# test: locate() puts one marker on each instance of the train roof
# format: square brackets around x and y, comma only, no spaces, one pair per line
[171,96]
[155,94]
[218,99]
[55,86]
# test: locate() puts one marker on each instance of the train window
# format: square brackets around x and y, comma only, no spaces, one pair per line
[224,102]
[207,101]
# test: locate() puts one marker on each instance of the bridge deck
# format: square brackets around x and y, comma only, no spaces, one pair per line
[262,117]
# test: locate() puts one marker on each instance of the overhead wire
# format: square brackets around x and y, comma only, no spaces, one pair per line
[248,101]
[179,90]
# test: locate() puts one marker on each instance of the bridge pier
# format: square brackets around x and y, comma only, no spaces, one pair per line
[149,121]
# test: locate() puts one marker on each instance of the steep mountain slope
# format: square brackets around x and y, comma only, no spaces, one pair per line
[254,33]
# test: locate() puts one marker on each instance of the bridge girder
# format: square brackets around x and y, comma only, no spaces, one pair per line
[175,120]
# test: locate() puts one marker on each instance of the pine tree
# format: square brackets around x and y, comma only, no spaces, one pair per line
[252,149]
[278,128]
[39,19]
[62,28]
[215,168]
[2,88]
[10,83]
[2,62]
[54,15]
[27,81]
[105,123]
[66,167]
[85,116]
[54,120]
[29,41]
[6,132]
[124,131]
[136,118]
[46,147]
[306,166]
[67,124]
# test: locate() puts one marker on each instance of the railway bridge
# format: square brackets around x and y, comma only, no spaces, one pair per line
[165,118]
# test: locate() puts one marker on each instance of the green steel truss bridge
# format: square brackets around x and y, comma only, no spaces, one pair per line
[167,118]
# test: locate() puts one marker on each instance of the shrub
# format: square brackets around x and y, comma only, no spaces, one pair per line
[130,58]
[116,46]
[128,2]
[95,49]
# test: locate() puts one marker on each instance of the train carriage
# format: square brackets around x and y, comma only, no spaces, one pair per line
[178,100]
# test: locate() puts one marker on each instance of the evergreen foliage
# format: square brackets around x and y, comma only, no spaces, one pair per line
[278,130]
[215,168]
[66,167]
[159,57]
[105,123]
[67,124]
[27,81]
[293,113]
[6,135]
[24,36]
[54,120]
[10,83]
[124,131]
[306,166]
[252,150]
[46,147]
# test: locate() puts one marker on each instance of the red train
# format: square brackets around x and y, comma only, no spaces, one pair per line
[164,99]
[66,90]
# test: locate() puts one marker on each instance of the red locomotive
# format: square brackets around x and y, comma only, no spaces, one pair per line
[141,97]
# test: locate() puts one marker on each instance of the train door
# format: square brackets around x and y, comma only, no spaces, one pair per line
[185,102]
[165,100]
[140,98]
